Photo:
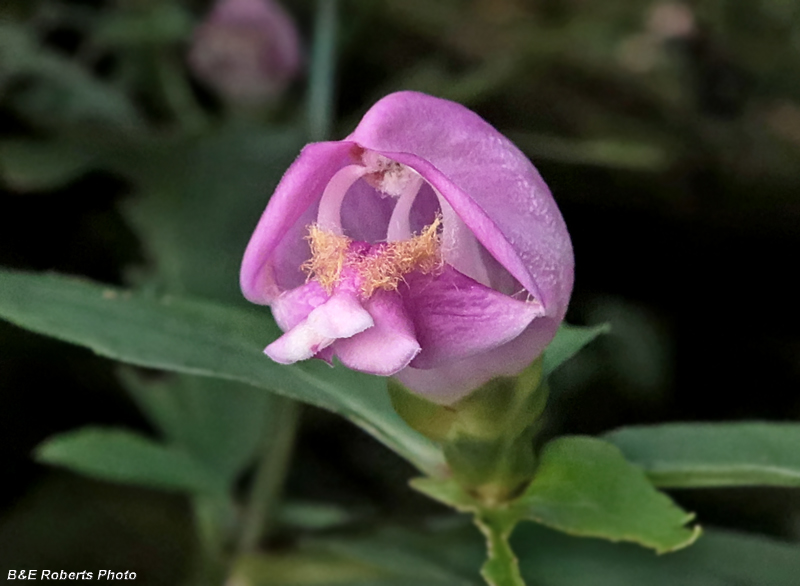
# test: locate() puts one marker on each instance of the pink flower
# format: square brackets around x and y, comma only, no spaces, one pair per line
[247,50]
[425,245]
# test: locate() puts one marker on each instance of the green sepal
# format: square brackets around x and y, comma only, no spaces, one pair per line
[504,405]
[493,470]
[486,437]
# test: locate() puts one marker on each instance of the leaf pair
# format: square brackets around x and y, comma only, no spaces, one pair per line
[583,486]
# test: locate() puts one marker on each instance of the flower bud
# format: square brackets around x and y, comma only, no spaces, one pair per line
[425,246]
[246,50]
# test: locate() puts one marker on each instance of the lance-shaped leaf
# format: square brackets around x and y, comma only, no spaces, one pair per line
[568,341]
[31,165]
[687,455]
[219,422]
[121,456]
[205,339]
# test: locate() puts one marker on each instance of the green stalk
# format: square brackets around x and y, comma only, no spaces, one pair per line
[323,66]
[178,93]
[501,567]
[270,474]
[212,514]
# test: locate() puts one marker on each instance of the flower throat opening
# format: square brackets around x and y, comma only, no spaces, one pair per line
[364,266]
[373,267]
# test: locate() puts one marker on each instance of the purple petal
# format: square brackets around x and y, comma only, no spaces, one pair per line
[447,384]
[365,213]
[277,248]
[248,50]
[299,343]
[502,236]
[326,355]
[387,347]
[340,317]
[293,306]
[456,317]
[489,183]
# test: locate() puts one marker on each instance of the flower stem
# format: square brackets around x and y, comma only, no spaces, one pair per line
[270,473]
[323,65]
[501,567]
[212,515]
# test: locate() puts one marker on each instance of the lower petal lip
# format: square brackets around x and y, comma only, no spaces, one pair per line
[456,317]
[341,316]
[386,348]
[453,380]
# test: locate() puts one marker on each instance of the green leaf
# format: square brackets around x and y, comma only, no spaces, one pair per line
[219,422]
[157,24]
[313,516]
[60,89]
[584,487]
[568,342]
[28,165]
[449,551]
[738,558]
[205,339]
[448,492]
[122,456]
[720,558]
[690,455]
[399,556]
[197,201]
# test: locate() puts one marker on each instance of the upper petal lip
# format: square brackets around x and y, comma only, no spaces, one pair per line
[301,188]
[482,175]
[476,219]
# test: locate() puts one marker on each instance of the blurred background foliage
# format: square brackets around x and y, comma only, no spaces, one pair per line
[669,133]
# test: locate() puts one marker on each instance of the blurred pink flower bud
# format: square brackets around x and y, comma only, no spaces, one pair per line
[246,50]
[425,245]
[671,20]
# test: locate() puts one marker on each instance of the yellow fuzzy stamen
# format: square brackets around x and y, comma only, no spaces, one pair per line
[382,268]
[386,269]
[328,254]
